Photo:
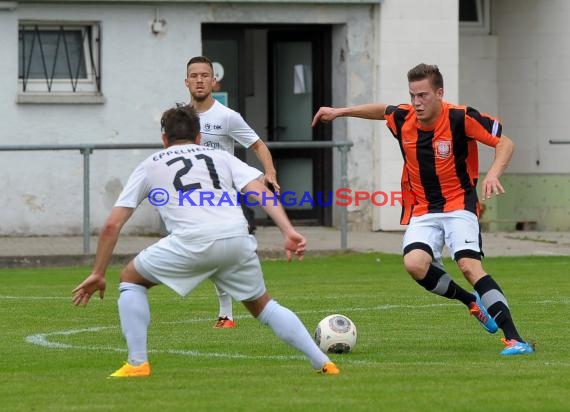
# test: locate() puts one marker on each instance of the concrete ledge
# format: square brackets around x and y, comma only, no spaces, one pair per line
[7,262]
[8,5]
[509,225]
[60,98]
[54,261]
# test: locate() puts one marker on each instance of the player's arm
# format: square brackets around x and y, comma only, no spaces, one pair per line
[109,236]
[264,156]
[107,241]
[372,111]
[295,243]
[503,154]
[240,131]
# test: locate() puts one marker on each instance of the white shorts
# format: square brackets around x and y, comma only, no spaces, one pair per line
[181,264]
[458,230]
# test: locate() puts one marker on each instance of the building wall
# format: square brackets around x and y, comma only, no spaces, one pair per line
[534,80]
[520,72]
[142,74]
[532,201]
[478,80]
[410,32]
[44,189]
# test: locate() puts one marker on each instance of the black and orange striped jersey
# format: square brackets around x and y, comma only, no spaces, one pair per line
[441,163]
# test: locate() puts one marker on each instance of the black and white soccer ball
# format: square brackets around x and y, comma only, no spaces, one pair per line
[336,334]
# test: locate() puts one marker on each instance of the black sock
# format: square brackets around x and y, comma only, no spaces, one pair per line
[438,282]
[496,304]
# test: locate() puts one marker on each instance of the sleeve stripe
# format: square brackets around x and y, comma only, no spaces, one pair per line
[495,128]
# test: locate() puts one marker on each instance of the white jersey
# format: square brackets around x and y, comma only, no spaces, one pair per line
[193,188]
[221,127]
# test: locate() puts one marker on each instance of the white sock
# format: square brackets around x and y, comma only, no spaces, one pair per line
[225,304]
[134,313]
[289,328]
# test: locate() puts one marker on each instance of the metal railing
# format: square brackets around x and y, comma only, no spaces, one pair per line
[557,141]
[87,149]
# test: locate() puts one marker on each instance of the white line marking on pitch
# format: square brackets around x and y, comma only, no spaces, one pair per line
[42,339]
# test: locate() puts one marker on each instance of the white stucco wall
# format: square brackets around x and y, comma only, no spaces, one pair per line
[520,72]
[411,32]
[534,80]
[142,74]
[478,81]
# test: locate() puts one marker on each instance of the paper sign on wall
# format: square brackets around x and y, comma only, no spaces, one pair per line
[299,79]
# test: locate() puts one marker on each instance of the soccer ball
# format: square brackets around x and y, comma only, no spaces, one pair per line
[336,334]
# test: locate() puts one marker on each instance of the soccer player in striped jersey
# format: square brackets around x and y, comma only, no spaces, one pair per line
[438,141]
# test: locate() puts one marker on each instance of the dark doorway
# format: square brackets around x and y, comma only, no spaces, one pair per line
[279,100]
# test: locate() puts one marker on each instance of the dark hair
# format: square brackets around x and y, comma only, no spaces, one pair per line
[426,71]
[199,59]
[180,123]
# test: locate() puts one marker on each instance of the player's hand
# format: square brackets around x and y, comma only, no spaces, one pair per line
[270,180]
[491,185]
[295,244]
[82,293]
[325,114]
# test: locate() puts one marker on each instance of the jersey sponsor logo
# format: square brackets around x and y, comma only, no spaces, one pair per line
[443,149]
[209,127]
[215,145]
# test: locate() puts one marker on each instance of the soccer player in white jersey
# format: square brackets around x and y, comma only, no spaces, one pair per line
[195,186]
[221,127]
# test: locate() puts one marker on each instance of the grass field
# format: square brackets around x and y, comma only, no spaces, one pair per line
[416,351]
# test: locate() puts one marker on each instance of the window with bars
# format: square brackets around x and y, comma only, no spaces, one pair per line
[59,58]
